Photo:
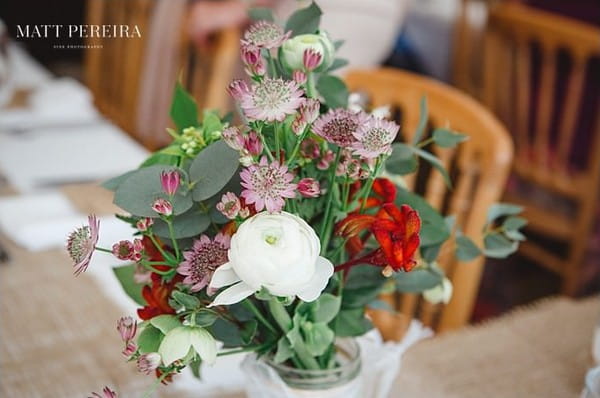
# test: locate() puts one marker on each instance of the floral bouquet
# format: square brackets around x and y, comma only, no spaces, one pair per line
[275,234]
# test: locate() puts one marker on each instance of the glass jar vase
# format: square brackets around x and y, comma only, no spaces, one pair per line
[266,379]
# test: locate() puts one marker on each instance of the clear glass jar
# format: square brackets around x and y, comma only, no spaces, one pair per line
[266,379]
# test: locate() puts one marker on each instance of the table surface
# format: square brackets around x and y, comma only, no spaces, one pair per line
[58,339]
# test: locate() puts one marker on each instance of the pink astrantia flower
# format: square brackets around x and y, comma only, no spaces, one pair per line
[311,59]
[148,363]
[130,349]
[299,76]
[127,327]
[310,110]
[266,185]
[264,34]
[138,248]
[238,89]
[253,144]
[81,244]
[123,250]
[325,160]
[375,138]
[339,126]
[169,180]
[162,206]
[229,205]
[144,224]
[201,261]
[106,393]
[255,64]
[233,137]
[272,99]
[309,187]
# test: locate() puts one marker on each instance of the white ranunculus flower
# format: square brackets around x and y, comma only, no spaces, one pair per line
[277,251]
[292,51]
[442,293]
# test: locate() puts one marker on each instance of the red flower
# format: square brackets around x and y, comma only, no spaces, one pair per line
[383,191]
[157,296]
[396,231]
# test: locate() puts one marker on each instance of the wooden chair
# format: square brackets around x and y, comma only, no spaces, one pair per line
[543,113]
[479,168]
[113,73]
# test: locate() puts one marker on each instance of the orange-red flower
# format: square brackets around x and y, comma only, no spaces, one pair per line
[396,231]
[157,296]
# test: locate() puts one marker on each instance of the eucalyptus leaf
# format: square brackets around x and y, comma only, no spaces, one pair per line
[327,308]
[337,64]
[333,90]
[189,224]
[430,253]
[417,280]
[184,111]
[423,118]
[435,162]
[514,223]
[125,276]
[466,249]
[498,210]
[498,246]
[305,20]
[159,158]
[139,191]
[357,298]
[186,300]
[447,138]
[248,331]
[114,182]
[212,169]
[402,161]
[514,235]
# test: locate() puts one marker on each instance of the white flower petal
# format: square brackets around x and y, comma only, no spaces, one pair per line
[232,295]
[223,276]
[204,344]
[323,271]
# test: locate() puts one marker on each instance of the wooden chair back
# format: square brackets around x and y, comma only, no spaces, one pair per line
[541,103]
[479,168]
[112,65]
[113,73]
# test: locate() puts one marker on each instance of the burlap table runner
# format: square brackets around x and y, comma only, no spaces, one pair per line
[58,339]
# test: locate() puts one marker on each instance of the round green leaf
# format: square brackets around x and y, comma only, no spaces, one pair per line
[212,169]
[186,225]
[139,191]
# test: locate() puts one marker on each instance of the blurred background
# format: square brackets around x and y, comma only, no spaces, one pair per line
[534,64]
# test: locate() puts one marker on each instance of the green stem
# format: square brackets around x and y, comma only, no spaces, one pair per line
[277,141]
[370,184]
[101,249]
[173,240]
[266,146]
[158,247]
[326,218]
[423,144]
[155,385]
[298,145]
[239,350]
[310,85]
[252,308]
[272,67]
[284,321]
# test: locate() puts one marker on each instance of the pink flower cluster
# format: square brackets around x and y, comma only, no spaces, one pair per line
[126,250]
[267,184]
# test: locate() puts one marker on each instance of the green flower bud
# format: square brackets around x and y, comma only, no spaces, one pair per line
[291,52]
